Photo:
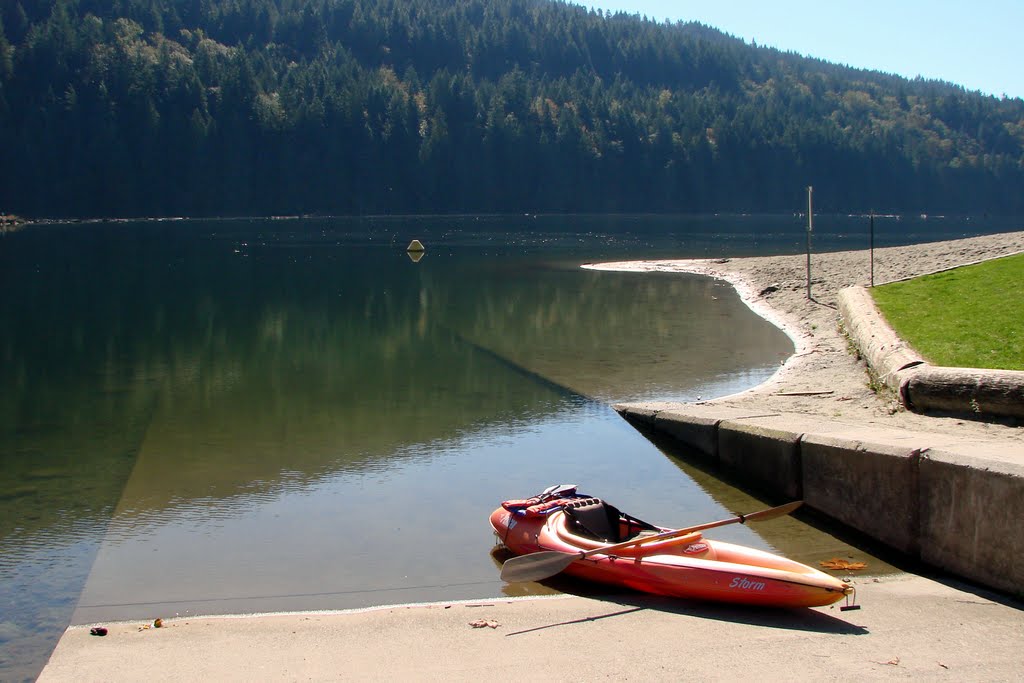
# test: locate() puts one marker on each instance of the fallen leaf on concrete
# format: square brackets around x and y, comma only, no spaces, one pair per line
[841,564]
[484,623]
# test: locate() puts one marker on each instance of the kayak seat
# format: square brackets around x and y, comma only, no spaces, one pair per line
[595,519]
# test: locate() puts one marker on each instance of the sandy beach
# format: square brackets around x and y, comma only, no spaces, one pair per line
[824,377]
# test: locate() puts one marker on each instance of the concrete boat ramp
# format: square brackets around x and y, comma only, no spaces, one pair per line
[951,503]
[910,628]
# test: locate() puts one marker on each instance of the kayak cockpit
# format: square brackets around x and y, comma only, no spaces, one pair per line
[591,524]
[595,519]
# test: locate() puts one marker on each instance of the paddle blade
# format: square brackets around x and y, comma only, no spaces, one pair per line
[536,566]
[772,513]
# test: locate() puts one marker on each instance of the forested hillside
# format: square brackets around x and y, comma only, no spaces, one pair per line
[227,107]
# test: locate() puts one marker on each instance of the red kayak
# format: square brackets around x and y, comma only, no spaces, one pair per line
[682,565]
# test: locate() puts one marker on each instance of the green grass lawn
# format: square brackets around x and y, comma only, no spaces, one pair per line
[971,317]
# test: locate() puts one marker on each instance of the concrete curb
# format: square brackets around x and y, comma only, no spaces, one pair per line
[923,387]
[951,504]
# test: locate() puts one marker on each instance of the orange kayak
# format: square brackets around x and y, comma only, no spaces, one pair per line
[687,566]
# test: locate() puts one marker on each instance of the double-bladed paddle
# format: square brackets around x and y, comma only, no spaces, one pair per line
[541,565]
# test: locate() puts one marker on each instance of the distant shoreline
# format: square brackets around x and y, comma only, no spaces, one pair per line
[909,214]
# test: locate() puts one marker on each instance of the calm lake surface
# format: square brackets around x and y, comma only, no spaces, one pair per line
[239,416]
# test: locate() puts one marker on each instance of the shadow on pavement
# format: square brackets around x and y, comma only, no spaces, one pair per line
[796,619]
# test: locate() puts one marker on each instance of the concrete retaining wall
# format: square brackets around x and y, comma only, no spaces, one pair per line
[971,514]
[765,458]
[697,432]
[844,478]
[928,496]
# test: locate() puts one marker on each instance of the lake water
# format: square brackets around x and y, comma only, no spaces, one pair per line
[238,416]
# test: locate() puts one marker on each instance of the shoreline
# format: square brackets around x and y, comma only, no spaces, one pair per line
[748,293]
[823,376]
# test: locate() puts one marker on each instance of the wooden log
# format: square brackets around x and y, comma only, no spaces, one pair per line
[965,391]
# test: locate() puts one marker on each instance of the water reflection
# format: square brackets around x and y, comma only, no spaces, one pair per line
[619,336]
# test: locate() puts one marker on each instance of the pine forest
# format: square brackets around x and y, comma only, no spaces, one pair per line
[282,107]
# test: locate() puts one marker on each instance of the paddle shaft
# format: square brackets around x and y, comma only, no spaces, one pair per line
[770,513]
[540,565]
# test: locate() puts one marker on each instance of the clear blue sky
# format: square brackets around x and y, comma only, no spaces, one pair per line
[974,43]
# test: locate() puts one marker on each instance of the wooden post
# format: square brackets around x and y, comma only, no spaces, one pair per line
[872,248]
[810,228]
